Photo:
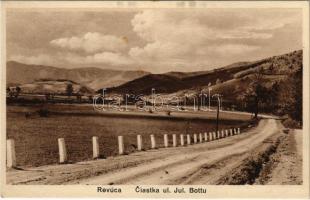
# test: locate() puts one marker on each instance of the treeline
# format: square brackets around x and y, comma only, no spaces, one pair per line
[282,98]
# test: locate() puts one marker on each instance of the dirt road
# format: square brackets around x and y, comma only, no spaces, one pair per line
[205,163]
[285,166]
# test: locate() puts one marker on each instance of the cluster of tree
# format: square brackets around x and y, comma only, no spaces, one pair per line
[282,97]
[289,96]
[13,92]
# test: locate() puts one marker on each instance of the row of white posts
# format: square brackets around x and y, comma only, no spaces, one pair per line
[63,158]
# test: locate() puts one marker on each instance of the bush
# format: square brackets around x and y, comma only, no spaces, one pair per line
[43,112]
[245,72]
[290,123]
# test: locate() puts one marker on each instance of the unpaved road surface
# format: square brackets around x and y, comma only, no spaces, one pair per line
[215,162]
[285,166]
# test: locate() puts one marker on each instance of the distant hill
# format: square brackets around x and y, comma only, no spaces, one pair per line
[54,87]
[281,78]
[275,69]
[95,78]
[171,82]
[174,81]
[228,80]
[162,82]
[280,82]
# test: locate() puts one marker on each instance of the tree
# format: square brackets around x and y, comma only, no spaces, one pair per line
[273,96]
[290,95]
[241,101]
[297,94]
[8,92]
[79,97]
[199,96]
[271,68]
[84,90]
[90,98]
[47,96]
[18,90]
[256,93]
[69,89]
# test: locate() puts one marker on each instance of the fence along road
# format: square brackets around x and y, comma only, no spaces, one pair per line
[160,166]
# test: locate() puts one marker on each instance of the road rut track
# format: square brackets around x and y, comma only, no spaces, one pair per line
[251,168]
[285,165]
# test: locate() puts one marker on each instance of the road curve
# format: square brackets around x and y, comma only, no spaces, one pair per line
[178,168]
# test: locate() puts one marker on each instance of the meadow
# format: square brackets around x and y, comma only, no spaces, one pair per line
[36,137]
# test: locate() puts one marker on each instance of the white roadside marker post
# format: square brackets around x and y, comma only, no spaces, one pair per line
[153,142]
[230,132]
[223,134]
[200,137]
[95,142]
[235,131]
[210,136]
[206,137]
[188,139]
[218,135]
[62,150]
[195,138]
[10,153]
[174,140]
[166,140]
[182,140]
[238,130]
[139,142]
[120,145]
[214,135]
[226,133]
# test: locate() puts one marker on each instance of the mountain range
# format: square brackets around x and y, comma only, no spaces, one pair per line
[227,79]
[94,78]
[236,75]
[278,89]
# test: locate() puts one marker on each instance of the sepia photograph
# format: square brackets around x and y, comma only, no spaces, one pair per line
[146,95]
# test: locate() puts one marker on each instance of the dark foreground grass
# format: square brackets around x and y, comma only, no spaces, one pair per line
[36,137]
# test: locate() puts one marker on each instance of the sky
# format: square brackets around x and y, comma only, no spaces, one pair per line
[153,40]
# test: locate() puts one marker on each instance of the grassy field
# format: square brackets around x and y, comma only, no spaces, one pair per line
[36,137]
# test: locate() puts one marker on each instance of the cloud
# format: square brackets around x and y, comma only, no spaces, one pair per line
[158,49]
[67,59]
[91,43]
[197,27]
[242,34]
[235,49]
[157,40]
[110,58]
[187,39]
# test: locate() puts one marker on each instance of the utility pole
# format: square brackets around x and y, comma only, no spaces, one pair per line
[153,99]
[218,112]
